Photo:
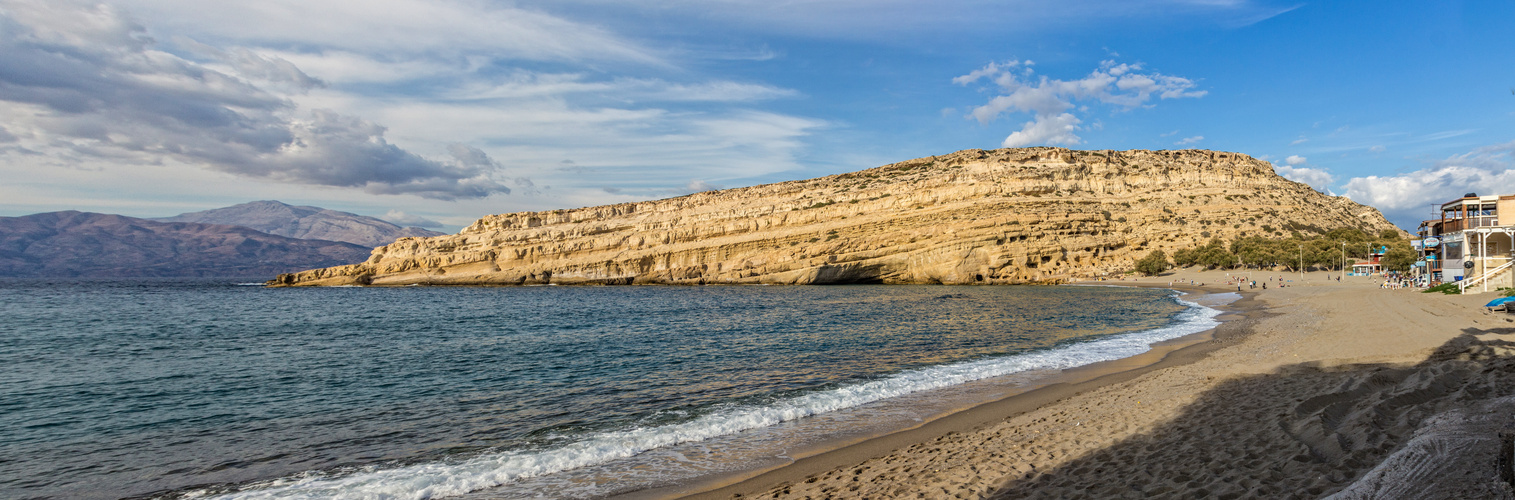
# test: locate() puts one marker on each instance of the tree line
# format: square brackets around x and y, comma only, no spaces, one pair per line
[1324,251]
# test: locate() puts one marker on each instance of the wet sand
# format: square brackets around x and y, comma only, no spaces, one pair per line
[1313,389]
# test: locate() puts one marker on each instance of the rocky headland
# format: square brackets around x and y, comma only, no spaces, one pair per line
[1029,215]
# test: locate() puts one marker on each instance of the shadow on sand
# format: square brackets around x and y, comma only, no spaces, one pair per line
[1443,428]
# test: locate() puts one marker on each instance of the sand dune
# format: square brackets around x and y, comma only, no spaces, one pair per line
[1313,389]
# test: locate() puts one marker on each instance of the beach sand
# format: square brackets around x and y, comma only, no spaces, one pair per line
[1314,389]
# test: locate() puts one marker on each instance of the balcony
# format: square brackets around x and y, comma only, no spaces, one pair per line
[1455,225]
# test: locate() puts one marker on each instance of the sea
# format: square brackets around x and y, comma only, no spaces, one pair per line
[224,389]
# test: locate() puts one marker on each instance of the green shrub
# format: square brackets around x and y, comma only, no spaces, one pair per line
[1153,264]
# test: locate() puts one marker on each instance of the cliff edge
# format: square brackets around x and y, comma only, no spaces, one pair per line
[1004,216]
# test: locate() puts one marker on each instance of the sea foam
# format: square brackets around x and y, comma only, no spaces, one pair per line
[443,479]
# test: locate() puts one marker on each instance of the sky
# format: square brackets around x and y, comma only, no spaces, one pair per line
[437,112]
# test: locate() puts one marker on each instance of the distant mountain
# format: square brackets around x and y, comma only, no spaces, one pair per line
[63,244]
[312,223]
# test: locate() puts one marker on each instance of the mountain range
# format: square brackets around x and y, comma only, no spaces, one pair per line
[82,244]
[256,239]
[304,222]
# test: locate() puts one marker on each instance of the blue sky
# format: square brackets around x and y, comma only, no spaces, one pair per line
[438,112]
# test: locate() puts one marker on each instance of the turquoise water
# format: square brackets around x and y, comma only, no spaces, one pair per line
[199,388]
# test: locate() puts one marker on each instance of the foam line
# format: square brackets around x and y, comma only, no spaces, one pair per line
[443,479]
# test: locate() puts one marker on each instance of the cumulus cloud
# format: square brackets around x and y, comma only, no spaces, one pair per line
[403,219]
[1295,168]
[1406,196]
[1189,140]
[87,83]
[1051,102]
[1317,178]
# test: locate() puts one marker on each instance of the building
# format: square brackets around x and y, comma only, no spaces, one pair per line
[1468,243]
[1373,265]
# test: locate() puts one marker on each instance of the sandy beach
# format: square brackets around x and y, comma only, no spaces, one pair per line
[1317,388]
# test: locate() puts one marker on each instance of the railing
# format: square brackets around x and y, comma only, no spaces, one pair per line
[1459,224]
[1464,284]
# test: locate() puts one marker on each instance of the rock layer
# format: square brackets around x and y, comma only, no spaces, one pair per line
[992,217]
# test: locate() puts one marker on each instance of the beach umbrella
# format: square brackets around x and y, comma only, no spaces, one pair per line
[1499,301]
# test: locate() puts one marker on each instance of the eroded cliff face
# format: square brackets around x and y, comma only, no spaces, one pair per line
[991,217]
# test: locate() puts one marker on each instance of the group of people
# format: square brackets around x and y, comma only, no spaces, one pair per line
[1243,281]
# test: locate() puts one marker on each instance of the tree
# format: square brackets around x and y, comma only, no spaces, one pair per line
[1186,257]
[1153,264]
[1398,259]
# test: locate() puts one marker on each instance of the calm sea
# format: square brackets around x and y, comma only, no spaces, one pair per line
[207,388]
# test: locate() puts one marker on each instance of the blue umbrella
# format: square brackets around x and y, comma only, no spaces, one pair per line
[1499,301]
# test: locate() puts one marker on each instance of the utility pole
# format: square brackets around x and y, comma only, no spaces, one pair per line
[1343,260]
[1301,262]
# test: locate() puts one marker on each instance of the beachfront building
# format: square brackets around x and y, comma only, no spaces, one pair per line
[1468,243]
[1374,264]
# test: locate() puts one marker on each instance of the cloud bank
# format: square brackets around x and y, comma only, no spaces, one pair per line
[82,81]
[1407,197]
[1051,102]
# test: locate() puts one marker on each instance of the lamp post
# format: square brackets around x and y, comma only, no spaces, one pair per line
[1301,262]
[1343,260]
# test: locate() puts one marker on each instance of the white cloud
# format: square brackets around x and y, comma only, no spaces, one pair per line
[403,219]
[399,29]
[1189,140]
[899,20]
[1299,141]
[1051,101]
[1407,196]
[272,91]
[1317,178]
[1377,149]
[1057,129]
[84,81]
[533,85]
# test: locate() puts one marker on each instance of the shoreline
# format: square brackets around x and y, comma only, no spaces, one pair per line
[1290,344]
[1040,392]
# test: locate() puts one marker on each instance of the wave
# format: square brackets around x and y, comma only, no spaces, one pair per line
[442,479]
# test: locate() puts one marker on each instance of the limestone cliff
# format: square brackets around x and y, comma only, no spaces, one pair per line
[992,217]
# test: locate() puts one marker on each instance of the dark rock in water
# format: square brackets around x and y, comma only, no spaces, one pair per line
[312,223]
[951,296]
[82,244]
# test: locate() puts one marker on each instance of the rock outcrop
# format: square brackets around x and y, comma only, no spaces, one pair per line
[992,217]
[82,244]
[307,223]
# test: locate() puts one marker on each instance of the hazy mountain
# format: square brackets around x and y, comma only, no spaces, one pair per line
[59,244]
[313,223]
